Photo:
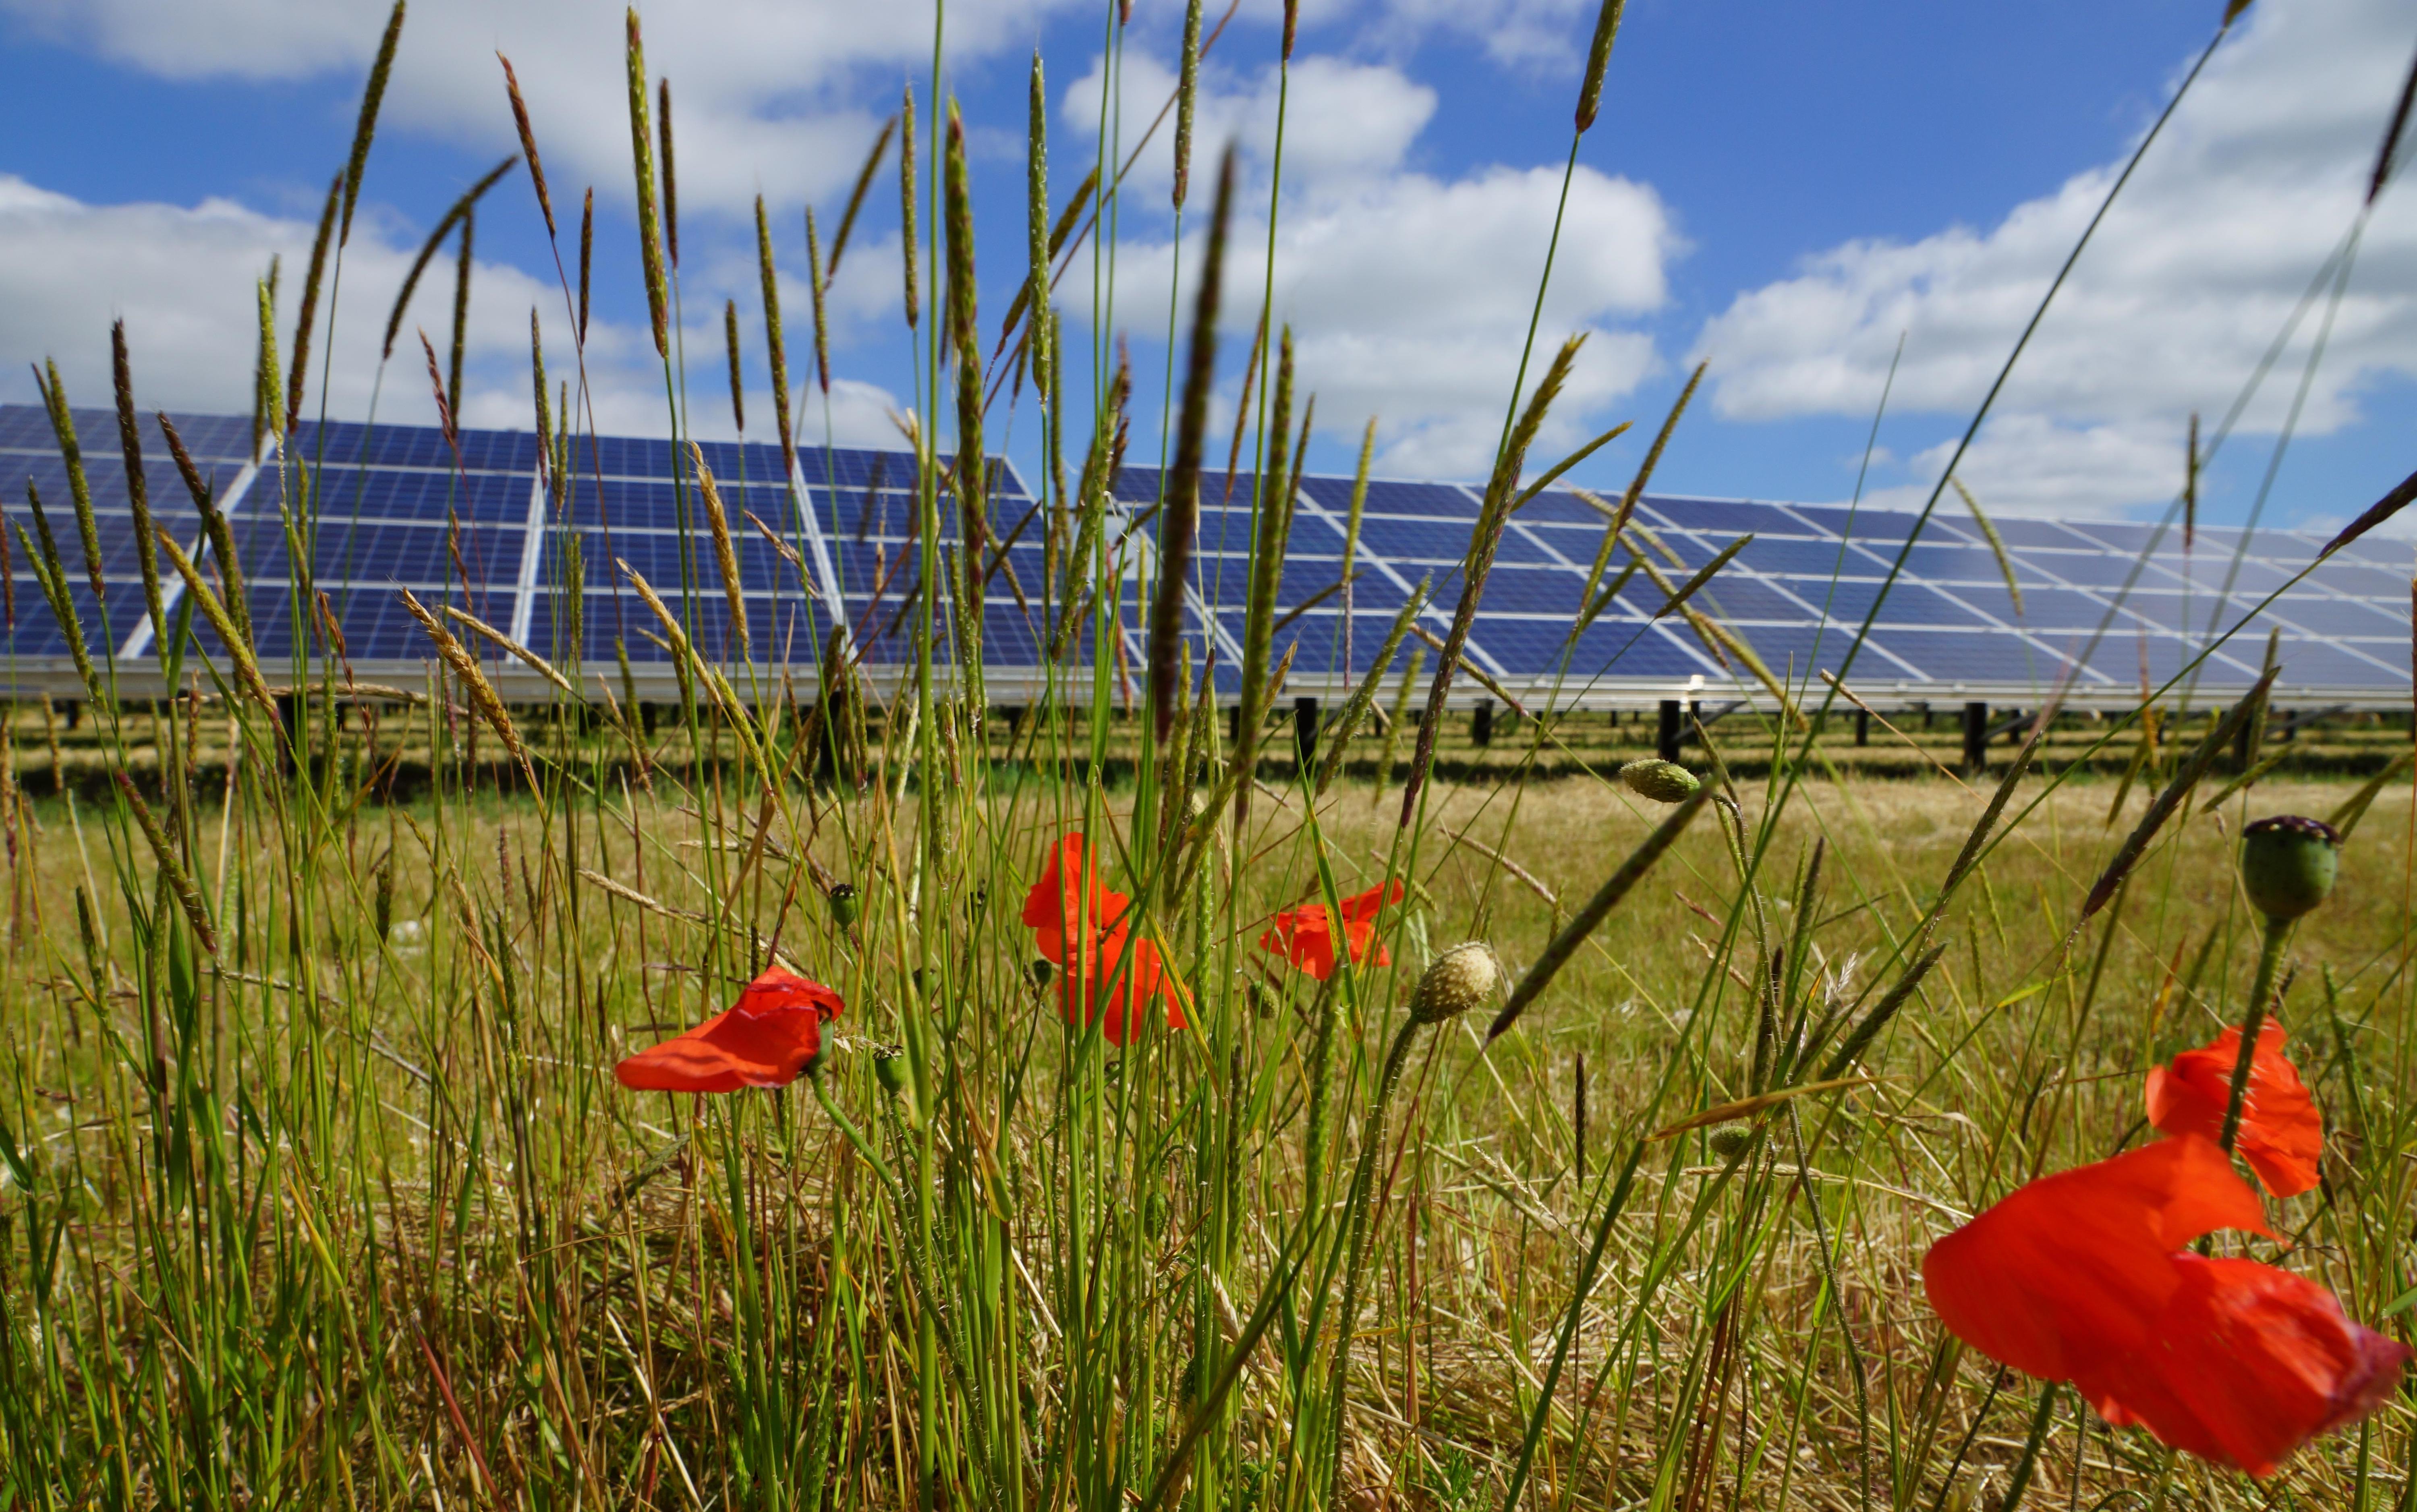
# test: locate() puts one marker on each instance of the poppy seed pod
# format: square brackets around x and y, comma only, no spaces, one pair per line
[1662,782]
[844,909]
[889,1069]
[1041,971]
[1460,979]
[2288,863]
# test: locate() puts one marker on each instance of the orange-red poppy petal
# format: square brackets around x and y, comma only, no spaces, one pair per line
[1304,934]
[1058,902]
[1300,936]
[2282,1132]
[2083,1277]
[1123,979]
[765,1039]
[1082,927]
[2247,1363]
[2074,1266]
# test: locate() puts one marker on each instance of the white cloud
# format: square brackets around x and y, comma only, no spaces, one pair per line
[2190,278]
[1409,294]
[1548,35]
[765,91]
[182,281]
[1345,121]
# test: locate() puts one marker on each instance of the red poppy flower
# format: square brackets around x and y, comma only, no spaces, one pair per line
[772,1033]
[1305,936]
[1084,928]
[2282,1134]
[2082,1276]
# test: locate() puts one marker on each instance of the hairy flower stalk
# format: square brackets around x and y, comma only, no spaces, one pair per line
[1458,981]
[2287,866]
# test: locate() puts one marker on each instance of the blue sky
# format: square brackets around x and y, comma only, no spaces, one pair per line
[1781,190]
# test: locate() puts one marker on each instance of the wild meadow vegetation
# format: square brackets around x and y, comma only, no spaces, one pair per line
[1175,1122]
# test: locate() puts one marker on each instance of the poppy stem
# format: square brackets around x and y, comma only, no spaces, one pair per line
[2021,1480]
[2253,1023]
[856,1137]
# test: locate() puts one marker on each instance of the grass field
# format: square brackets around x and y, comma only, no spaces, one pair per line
[318,1185]
[401,1227]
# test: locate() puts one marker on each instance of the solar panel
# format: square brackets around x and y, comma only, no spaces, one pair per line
[837,547]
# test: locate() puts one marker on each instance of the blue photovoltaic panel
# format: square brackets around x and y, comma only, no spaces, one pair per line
[1560,507]
[401,506]
[1726,517]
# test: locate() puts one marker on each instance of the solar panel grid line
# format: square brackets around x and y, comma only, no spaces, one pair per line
[2343,643]
[1660,628]
[2061,659]
[2118,616]
[1782,584]
[1196,602]
[818,553]
[1393,574]
[172,586]
[532,559]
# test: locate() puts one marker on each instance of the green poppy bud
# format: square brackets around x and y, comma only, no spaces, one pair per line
[1662,782]
[844,909]
[1729,1141]
[2288,864]
[889,1069]
[1460,979]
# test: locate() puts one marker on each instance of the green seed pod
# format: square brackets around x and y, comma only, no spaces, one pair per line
[1041,973]
[1460,979]
[2288,863]
[844,909]
[889,1069]
[1662,782]
[1729,1141]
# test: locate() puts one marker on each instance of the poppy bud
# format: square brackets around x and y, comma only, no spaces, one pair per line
[844,909]
[2288,864]
[1729,1141]
[1662,782]
[889,1069]
[1460,979]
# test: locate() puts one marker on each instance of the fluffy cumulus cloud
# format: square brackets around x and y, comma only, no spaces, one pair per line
[764,90]
[2203,260]
[182,278]
[1409,294]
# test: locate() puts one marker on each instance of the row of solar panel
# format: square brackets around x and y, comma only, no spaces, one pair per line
[25,432]
[2346,626]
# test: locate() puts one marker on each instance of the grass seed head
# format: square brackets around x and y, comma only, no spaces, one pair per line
[650,237]
[528,142]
